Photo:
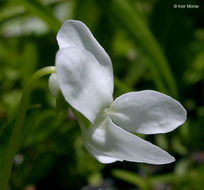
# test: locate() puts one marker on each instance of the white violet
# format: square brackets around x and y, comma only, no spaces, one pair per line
[85,77]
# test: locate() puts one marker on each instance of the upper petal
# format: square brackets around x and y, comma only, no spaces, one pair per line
[74,33]
[147,112]
[109,143]
[83,81]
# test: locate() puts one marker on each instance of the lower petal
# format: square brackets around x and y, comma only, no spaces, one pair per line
[99,155]
[109,143]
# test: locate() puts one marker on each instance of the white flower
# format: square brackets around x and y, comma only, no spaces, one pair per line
[85,77]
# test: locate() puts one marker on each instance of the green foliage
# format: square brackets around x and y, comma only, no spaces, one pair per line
[152,46]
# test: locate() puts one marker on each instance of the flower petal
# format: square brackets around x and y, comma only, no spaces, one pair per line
[109,143]
[147,112]
[76,34]
[83,81]
[100,156]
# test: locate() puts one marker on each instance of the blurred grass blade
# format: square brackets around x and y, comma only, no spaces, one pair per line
[121,86]
[41,11]
[132,21]
[8,13]
[131,178]
[165,178]
[156,76]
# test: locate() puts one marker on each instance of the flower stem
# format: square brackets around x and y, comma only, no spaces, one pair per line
[16,134]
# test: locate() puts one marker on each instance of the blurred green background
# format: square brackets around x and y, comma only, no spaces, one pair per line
[152,46]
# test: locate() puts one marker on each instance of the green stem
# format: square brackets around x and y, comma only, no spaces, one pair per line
[16,134]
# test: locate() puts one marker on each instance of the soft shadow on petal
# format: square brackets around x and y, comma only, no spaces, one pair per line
[106,140]
[147,112]
[83,81]
[94,140]
[74,33]
[99,155]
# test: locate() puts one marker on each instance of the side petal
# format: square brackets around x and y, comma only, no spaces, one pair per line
[147,112]
[74,33]
[108,143]
[83,81]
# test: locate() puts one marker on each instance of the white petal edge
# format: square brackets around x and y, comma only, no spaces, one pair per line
[147,112]
[83,82]
[112,143]
[74,33]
